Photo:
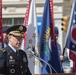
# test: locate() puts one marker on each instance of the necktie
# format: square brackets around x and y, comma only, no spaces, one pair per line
[17,53]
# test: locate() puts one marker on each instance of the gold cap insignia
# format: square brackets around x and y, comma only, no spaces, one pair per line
[11,57]
[21,28]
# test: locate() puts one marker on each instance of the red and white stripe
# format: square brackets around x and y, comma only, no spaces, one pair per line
[52,22]
[1,32]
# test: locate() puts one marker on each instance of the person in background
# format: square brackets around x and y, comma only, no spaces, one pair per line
[64,57]
[13,60]
[5,37]
[58,45]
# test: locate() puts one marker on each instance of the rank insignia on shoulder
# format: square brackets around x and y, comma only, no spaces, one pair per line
[3,50]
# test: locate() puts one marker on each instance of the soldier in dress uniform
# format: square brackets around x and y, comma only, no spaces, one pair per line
[13,61]
[5,37]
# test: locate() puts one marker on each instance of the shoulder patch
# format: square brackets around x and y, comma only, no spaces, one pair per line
[3,50]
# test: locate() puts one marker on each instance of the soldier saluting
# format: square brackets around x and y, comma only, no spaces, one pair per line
[13,61]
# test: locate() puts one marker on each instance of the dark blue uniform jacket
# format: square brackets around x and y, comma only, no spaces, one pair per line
[12,63]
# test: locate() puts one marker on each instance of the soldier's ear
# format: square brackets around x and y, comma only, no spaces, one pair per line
[9,36]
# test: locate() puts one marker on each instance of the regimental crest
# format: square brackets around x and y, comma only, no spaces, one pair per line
[24,59]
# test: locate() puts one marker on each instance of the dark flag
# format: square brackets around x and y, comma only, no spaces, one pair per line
[55,59]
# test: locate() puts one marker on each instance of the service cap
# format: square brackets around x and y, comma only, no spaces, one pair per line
[17,30]
[4,29]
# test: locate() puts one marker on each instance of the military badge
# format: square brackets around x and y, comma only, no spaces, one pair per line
[20,28]
[11,57]
[12,70]
[24,59]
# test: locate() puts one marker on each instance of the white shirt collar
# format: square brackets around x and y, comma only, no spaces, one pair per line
[12,48]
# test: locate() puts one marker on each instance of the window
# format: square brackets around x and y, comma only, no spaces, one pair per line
[7,21]
[18,21]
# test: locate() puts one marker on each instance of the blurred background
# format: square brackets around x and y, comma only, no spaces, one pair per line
[13,12]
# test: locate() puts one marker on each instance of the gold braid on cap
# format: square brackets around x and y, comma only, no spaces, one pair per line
[17,33]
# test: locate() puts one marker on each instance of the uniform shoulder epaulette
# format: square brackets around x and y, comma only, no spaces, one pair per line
[3,50]
[21,51]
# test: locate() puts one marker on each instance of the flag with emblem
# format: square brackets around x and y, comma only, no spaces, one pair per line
[47,42]
[44,39]
[71,37]
[32,39]
[1,33]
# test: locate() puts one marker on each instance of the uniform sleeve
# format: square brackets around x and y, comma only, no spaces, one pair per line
[28,72]
[2,62]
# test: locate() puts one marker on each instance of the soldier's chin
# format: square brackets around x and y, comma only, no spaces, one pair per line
[18,46]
